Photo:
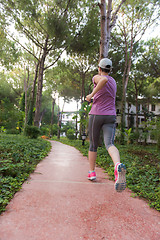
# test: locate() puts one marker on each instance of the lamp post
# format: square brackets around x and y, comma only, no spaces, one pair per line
[83,138]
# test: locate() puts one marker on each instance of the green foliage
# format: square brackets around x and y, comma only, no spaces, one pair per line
[71,134]
[55,129]
[45,130]
[120,135]
[84,114]
[150,60]
[155,130]
[12,131]
[142,168]
[31,131]
[18,158]
[87,40]
[71,78]
[57,26]
[46,106]
[2,129]
[10,114]
[22,102]
[128,135]
[9,53]
[134,136]
[67,126]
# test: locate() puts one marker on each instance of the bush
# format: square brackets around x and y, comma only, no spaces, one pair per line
[2,129]
[31,131]
[54,129]
[12,131]
[135,136]
[157,133]
[120,136]
[18,158]
[67,126]
[71,134]
[45,130]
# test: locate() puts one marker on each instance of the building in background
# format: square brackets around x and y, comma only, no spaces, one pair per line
[130,116]
[146,112]
[71,117]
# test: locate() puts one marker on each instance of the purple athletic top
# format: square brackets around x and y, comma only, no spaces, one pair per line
[104,99]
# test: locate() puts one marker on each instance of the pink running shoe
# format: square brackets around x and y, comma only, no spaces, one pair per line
[120,177]
[92,175]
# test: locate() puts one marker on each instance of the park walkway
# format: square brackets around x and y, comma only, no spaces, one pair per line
[59,203]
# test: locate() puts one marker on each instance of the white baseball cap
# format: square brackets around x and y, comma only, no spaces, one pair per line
[105,63]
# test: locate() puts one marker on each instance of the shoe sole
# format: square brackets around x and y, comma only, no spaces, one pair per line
[92,178]
[120,184]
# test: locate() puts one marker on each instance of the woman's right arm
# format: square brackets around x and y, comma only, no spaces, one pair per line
[100,81]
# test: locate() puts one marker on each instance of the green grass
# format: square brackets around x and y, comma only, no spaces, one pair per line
[143,168]
[18,158]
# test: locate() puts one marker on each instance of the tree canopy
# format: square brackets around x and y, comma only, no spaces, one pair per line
[34,34]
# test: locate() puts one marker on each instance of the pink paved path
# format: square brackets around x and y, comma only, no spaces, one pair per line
[59,203]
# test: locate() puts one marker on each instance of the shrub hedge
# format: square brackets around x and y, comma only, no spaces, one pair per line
[32,131]
[18,158]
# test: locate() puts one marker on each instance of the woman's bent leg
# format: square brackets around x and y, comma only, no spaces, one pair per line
[114,153]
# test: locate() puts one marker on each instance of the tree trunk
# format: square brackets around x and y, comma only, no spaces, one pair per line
[126,72]
[104,25]
[39,92]
[41,116]
[137,132]
[136,96]
[109,11]
[51,129]
[123,108]
[59,122]
[77,122]
[128,119]
[30,114]
[76,126]
[83,88]
[40,85]
[107,23]
[26,91]
[60,119]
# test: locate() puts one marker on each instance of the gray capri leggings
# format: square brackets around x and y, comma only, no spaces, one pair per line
[105,122]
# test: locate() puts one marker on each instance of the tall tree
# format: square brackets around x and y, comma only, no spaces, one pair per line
[108,21]
[52,26]
[144,78]
[71,78]
[136,17]
[9,52]
[26,81]
[9,109]
[150,57]
[32,95]
[86,42]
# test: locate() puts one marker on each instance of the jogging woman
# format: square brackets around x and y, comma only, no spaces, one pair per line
[103,116]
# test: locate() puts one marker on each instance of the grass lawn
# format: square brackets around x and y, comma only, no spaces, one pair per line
[143,168]
[18,158]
